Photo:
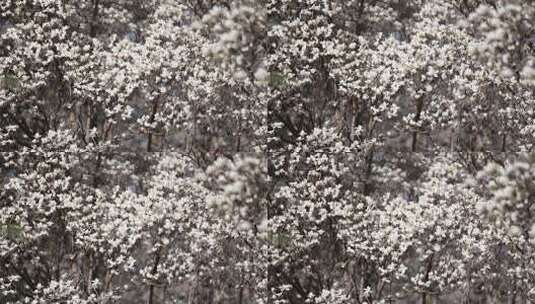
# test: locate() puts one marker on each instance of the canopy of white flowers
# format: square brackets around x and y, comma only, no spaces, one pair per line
[267,151]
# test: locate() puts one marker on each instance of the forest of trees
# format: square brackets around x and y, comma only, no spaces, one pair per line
[267,151]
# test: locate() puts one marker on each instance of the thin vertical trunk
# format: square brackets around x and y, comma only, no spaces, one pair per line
[369,167]
[151,120]
[153,272]
[352,111]
[427,271]
[240,295]
[92,30]
[419,107]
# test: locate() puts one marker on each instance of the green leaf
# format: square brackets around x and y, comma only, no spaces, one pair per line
[277,80]
[13,232]
[10,82]
[280,239]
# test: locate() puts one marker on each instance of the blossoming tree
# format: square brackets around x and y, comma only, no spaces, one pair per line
[272,151]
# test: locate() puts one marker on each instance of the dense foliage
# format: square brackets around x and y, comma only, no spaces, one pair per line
[269,151]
